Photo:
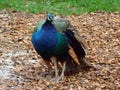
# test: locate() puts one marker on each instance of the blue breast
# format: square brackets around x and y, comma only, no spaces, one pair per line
[45,39]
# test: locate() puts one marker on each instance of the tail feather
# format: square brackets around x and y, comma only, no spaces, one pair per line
[85,63]
[78,52]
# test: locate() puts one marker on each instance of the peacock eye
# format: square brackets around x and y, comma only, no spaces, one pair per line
[49,18]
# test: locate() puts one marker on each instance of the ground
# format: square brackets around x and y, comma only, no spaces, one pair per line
[21,68]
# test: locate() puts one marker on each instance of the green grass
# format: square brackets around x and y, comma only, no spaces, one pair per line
[61,6]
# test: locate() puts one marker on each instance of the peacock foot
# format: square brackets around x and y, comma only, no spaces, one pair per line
[57,79]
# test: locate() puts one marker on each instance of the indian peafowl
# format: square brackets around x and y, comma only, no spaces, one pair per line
[62,46]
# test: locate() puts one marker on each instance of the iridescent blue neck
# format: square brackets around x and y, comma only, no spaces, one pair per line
[48,25]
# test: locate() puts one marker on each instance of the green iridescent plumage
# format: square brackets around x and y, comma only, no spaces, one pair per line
[61,47]
[60,23]
[62,40]
[38,25]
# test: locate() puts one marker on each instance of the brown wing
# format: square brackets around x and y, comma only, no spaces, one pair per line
[73,55]
[77,51]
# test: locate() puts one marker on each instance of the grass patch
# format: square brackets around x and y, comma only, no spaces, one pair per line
[61,6]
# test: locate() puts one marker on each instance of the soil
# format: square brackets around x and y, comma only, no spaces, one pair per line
[21,68]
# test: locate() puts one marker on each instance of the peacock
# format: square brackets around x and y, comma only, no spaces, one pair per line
[57,43]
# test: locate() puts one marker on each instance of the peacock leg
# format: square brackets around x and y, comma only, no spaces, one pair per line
[48,63]
[63,71]
[54,61]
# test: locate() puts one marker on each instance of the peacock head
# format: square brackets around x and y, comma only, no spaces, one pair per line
[50,17]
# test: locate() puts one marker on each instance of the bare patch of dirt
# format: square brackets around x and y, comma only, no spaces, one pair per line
[22,69]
